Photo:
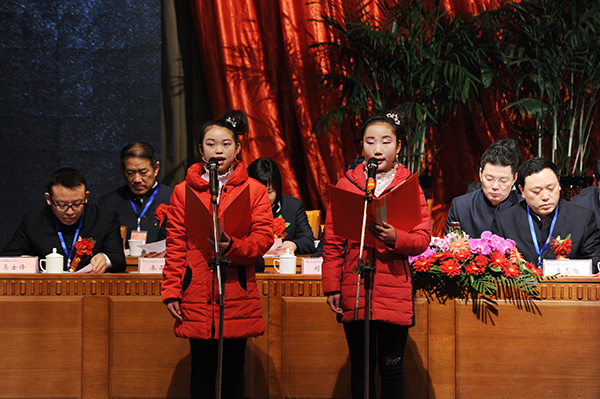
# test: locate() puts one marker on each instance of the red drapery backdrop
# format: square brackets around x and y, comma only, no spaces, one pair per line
[256,56]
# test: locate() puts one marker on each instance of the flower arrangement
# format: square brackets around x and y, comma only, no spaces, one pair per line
[482,264]
[161,213]
[84,247]
[279,226]
[561,247]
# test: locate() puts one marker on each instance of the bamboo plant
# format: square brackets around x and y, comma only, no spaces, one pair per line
[551,58]
[425,62]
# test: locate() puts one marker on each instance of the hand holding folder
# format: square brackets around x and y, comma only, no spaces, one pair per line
[401,207]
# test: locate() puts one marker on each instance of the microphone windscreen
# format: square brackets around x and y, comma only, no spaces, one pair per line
[372,163]
[213,163]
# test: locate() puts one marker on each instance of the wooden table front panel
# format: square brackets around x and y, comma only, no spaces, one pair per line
[111,337]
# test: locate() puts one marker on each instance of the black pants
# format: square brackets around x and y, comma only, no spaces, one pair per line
[204,368]
[386,349]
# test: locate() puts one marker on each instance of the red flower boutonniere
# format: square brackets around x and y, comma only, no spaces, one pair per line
[161,213]
[84,247]
[279,226]
[561,247]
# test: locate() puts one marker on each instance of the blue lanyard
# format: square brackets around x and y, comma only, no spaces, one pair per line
[62,238]
[534,236]
[140,216]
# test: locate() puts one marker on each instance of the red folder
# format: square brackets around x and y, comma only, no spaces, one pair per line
[400,207]
[233,218]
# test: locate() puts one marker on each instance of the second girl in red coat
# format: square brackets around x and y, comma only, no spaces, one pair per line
[392,307]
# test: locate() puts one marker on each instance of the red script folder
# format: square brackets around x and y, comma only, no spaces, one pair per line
[400,207]
[232,219]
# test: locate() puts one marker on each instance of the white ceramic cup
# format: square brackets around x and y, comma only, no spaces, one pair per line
[287,263]
[134,247]
[53,263]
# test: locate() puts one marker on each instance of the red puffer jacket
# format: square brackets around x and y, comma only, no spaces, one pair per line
[199,298]
[391,290]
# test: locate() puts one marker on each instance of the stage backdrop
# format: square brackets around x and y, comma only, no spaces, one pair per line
[78,81]
[257,56]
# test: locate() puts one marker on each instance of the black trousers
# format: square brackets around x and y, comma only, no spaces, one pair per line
[204,368]
[386,349]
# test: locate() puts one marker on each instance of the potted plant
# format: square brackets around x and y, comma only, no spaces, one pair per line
[551,53]
[423,61]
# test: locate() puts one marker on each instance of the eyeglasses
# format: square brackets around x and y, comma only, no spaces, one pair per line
[75,207]
[502,181]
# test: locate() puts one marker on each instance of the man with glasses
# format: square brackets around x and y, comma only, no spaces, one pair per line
[66,219]
[473,212]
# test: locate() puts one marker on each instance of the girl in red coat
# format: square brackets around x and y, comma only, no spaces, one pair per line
[391,291]
[190,288]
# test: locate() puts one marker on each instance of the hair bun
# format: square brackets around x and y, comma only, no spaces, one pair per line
[237,120]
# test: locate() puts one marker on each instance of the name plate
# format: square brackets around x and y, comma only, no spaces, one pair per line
[150,265]
[311,265]
[19,264]
[568,267]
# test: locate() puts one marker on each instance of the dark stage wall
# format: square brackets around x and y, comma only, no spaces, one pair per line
[78,80]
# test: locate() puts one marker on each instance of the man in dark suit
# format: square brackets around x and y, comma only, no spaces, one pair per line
[67,218]
[589,197]
[533,223]
[136,202]
[473,212]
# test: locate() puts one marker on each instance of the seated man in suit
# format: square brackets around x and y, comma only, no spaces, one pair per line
[474,211]
[533,223]
[136,202]
[589,197]
[67,218]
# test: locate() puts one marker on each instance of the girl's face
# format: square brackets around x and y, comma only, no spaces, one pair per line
[380,142]
[219,142]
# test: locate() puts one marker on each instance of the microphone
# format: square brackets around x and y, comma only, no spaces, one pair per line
[213,168]
[371,171]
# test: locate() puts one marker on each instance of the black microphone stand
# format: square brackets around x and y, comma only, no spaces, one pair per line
[218,264]
[363,270]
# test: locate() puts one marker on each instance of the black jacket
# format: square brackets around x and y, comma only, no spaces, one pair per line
[37,235]
[572,219]
[120,202]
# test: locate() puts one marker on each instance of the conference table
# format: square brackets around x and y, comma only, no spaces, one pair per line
[109,336]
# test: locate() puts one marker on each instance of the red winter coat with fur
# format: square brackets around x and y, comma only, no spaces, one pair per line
[198,291]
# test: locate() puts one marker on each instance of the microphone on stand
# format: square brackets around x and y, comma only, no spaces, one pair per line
[371,171]
[213,169]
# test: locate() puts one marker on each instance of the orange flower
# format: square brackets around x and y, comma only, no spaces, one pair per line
[459,244]
[515,256]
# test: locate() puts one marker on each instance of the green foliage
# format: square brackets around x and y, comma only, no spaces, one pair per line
[551,53]
[544,55]
[422,61]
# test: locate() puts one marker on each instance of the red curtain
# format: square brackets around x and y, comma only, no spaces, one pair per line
[256,56]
